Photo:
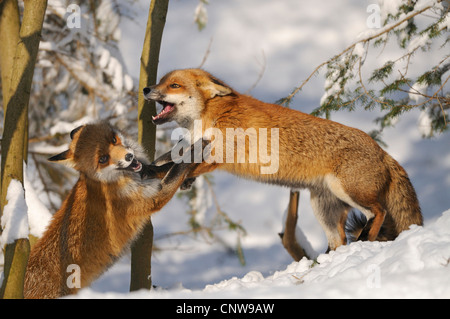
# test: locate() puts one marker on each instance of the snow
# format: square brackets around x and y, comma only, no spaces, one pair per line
[104,58]
[425,123]
[201,14]
[108,17]
[446,22]
[415,265]
[359,50]
[418,42]
[417,92]
[38,214]
[14,218]
[63,127]
[24,212]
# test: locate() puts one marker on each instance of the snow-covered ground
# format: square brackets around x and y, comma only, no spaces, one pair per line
[415,265]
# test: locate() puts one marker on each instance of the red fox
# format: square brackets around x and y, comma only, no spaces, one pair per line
[112,200]
[342,167]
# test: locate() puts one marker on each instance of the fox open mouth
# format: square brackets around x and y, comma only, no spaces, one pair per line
[162,116]
[135,166]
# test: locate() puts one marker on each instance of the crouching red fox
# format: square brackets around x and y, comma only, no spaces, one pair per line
[112,200]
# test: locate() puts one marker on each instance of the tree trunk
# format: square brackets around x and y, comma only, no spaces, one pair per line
[15,129]
[141,250]
[9,38]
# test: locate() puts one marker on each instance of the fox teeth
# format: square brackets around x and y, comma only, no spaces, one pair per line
[164,111]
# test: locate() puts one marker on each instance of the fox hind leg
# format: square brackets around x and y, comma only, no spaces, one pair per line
[364,197]
[373,226]
[331,213]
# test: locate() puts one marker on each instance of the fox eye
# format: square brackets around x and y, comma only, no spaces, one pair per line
[103,159]
[175,86]
[114,140]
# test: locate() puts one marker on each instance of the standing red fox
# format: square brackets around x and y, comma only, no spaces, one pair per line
[103,213]
[342,166]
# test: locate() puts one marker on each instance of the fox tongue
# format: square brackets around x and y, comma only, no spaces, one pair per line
[166,109]
[136,166]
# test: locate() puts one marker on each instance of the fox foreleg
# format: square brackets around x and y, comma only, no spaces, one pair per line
[165,162]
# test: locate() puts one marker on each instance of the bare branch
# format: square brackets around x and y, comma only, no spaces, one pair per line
[205,57]
[260,75]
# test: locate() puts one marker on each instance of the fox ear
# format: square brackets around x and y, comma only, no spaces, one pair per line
[216,88]
[66,157]
[63,158]
[74,131]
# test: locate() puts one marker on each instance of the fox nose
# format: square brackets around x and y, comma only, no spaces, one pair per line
[129,157]
[147,90]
